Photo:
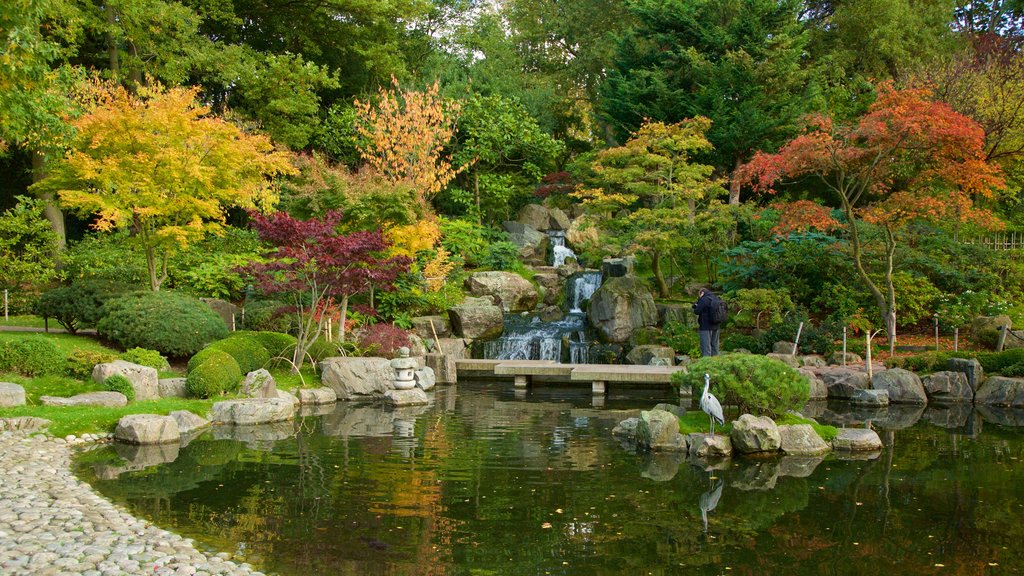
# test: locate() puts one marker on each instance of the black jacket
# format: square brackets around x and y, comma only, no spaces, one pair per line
[703,309]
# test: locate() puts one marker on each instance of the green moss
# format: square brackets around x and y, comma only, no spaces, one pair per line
[118,383]
[92,419]
[696,421]
[827,433]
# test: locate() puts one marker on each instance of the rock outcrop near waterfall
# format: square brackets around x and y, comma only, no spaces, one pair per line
[510,290]
[620,306]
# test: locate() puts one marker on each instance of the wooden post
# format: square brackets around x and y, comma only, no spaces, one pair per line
[330,337]
[5,304]
[796,342]
[232,322]
[844,346]
[956,339]
[867,355]
[1001,342]
[936,332]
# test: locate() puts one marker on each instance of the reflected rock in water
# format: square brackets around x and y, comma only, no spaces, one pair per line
[748,475]
[900,417]
[949,415]
[866,455]
[662,466]
[1002,415]
[802,440]
[363,420]
[814,409]
[137,457]
[315,409]
[710,464]
[258,436]
[708,501]
[799,466]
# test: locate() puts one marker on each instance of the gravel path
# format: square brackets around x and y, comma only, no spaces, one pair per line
[51,523]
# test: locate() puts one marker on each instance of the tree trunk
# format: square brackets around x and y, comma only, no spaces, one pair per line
[51,210]
[115,61]
[659,277]
[341,318]
[476,193]
[890,290]
[858,263]
[734,185]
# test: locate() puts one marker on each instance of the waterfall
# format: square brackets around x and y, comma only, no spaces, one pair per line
[579,288]
[559,251]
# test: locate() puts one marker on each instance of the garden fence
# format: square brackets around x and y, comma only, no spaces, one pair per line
[1009,240]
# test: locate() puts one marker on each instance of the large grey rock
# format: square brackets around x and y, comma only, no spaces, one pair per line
[709,445]
[644,354]
[412,397]
[783,347]
[24,424]
[421,325]
[626,429]
[1001,391]
[752,434]
[443,366]
[457,348]
[357,377]
[971,368]
[259,384]
[317,396]
[533,244]
[620,306]
[188,421]
[425,379]
[870,397]
[948,387]
[252,411]
[11,395]
[843,382]
[801,440]
[476,319]
[147,429]
[509,290]
[617,267]
[985,329]
[231,314]
[904,386]
[813,361]
[818,390]
[552,285]
[172,388]
[857,440]
[559,220]
[288,397]
[658,430]
[787,359]
[145,380]
[836,359]
[676,313]
[108,399]
[535,216]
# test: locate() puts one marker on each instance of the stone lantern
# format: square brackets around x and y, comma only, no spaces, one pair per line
[404,368]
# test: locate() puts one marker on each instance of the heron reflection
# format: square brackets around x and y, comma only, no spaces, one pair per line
[709,500]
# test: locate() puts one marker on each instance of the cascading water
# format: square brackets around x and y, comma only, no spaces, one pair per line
[559,251]
[527,337]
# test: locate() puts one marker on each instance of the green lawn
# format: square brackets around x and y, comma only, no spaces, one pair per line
[26,321]
[83,419]
[65,342]
[697,421]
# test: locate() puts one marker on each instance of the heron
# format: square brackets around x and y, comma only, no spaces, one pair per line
[709,500]
[710,405]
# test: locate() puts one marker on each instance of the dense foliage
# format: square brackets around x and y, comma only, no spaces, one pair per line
[167,322]
[756,384]
[31,356]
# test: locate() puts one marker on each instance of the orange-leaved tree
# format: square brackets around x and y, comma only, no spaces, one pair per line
[404,134]
[160,165]
[908,157]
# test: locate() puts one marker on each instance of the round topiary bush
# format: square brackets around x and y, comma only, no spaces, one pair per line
[81,362]
[216,375]
[758,385]
[246,350]
[269,315]
[144,357]
[276,343]
[32,356]
[173,324]
[118,383]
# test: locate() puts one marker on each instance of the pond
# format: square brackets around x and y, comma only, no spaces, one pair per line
[485,481]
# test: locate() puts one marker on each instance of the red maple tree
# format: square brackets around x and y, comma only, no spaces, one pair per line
[908,157]
[314,264]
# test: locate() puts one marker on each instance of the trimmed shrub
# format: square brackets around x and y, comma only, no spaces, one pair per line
[216,375]
[77,305]
[924,363]
[316,352]
[81,362]
[681,338]
[269,316]
[246,350]
[276,343]
[145,357]
[1014,371]
[998,361]
[200,357]
[732,342]
[170,323]
[382,339]
[32,356]
[756,384]
[118,383]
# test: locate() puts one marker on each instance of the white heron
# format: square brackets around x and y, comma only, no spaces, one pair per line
[710,405]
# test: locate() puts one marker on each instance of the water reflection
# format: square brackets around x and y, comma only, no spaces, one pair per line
[484,482]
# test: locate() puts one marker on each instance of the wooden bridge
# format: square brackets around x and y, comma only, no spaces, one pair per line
[523,373]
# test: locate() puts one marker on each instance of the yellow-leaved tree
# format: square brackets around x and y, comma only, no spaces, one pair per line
[157,163]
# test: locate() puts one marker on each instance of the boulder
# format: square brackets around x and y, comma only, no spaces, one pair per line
[709,445]
[533,245]
[870,397]
[188,421]
[843,382]
[644,354]
[417,346]
[836,359]
[508,289]
[904,386]
[259,384]
[787,359]
[948,387]
[147,429]
[443,366]
[425,379]
[658,430]
[412,397]
[970,367]
[11,395]
[626,428]
[421,325]
[813,361]
[144,379]
[107,399]
[289,397]
[551,314]
[857,440]
[620,306]
[558,220]
[782,347]
[1001,391]
[457,348]
[752,434]
[316,396]
[535,216]
[801,440]
[231,314]
[818,389]
[475,318]
[1015,339]
[24,424]
[985,329]
[617,267]
[172,388]
[676,409]
[552,285]
[355,377]
[676,313]
[252,411]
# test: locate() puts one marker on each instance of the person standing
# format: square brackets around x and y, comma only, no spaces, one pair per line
[708,323]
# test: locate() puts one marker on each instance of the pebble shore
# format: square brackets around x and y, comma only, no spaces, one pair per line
[53,524]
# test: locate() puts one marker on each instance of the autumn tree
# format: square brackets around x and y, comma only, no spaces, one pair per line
[908,157]
[160,166]
[404,135]
[315,265]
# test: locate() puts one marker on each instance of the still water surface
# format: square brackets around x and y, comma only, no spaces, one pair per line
[482,482]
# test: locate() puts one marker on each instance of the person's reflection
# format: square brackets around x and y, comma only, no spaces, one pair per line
[709,500]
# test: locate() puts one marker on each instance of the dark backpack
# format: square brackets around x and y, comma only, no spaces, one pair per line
[719,311]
